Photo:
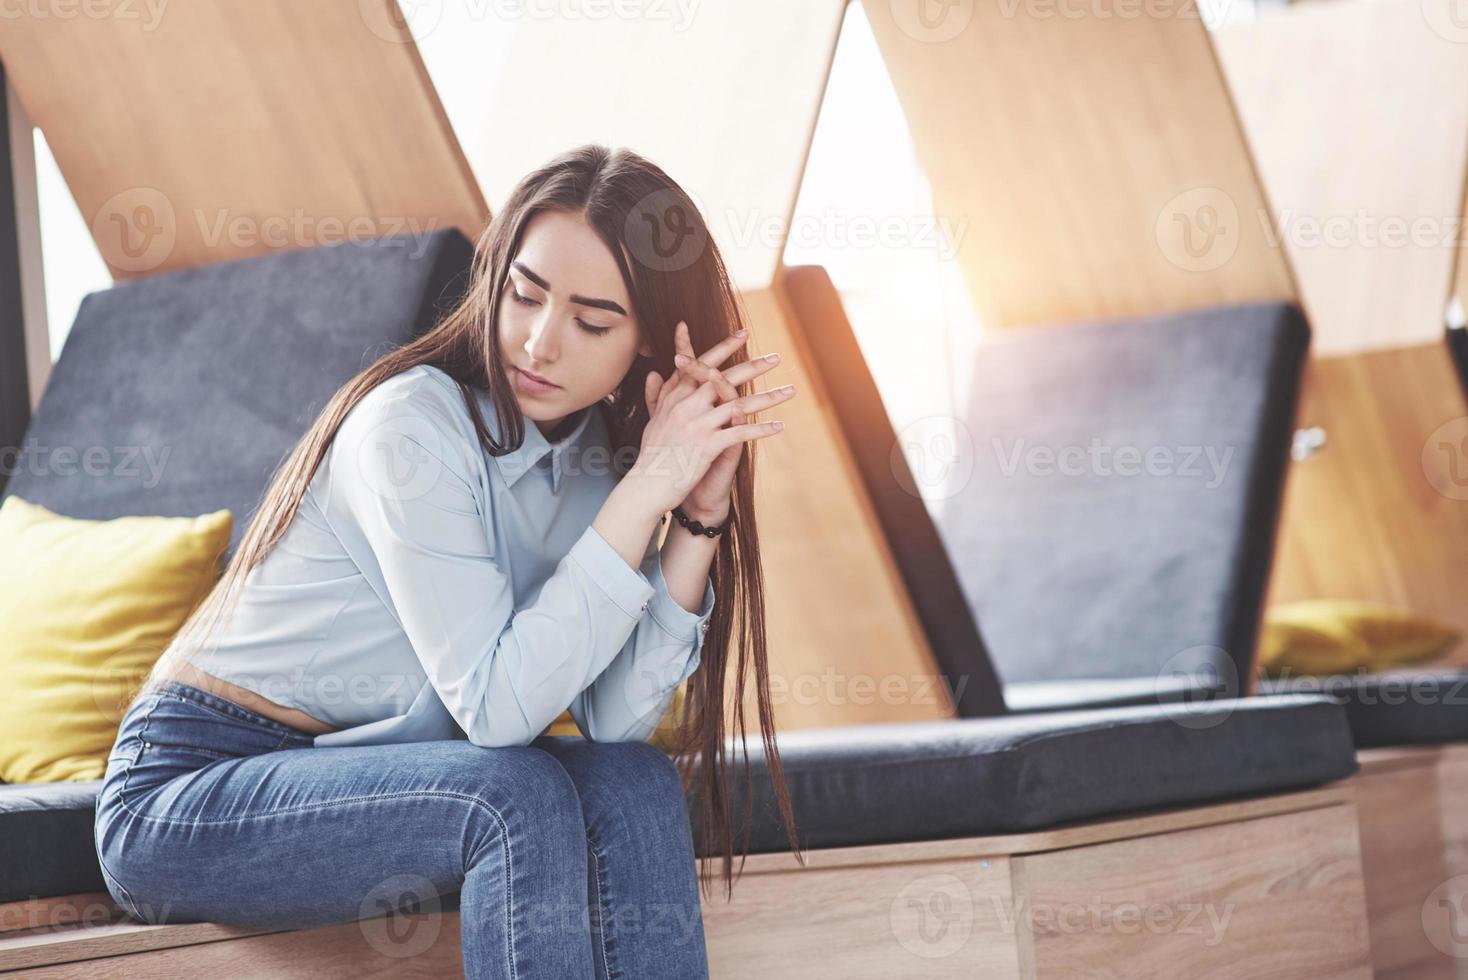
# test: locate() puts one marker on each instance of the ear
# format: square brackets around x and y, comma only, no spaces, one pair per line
[645,350]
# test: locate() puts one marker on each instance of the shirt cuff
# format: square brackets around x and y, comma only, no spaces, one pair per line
[672,617]
[624,585]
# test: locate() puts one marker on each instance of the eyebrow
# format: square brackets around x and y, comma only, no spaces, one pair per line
[601,304]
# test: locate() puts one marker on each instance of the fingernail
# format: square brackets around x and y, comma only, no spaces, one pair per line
[772,357]
[741,333]
[779,426]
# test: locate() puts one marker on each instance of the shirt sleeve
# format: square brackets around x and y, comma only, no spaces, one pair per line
[404,501]
[628,700]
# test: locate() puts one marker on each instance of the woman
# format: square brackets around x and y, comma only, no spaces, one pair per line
[462,547]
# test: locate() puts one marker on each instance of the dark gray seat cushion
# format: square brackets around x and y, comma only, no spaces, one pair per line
[1410,707]
[190,388]
[878,784]
[46,844]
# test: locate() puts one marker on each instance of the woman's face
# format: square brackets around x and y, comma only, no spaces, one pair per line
[565,317]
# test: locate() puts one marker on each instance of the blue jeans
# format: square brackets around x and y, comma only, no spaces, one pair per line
[566,858]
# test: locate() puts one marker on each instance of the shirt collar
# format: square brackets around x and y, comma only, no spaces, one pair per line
[535,447]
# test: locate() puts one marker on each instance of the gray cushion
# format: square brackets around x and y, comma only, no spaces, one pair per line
[1091,565]
[876,784]
[879,784]
[46,845]
[1410,707]
[189,388]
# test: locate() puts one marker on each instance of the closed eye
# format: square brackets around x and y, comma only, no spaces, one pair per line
[527,301]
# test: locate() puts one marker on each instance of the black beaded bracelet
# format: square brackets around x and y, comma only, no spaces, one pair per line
[695,527]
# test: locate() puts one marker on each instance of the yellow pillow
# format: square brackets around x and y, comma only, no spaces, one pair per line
[1337,636]
[88,607]
[662,736]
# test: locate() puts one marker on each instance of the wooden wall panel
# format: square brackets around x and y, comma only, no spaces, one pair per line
[1096,157]
[846,644]
[1357,113]
[216,130]
[1382,511]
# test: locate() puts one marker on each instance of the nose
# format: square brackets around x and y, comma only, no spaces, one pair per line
[541,343]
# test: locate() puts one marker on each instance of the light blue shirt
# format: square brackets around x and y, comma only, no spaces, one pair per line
[428,590]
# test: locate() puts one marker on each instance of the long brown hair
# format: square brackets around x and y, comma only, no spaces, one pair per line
[673,271]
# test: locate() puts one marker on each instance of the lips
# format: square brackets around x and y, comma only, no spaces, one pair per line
[536,377]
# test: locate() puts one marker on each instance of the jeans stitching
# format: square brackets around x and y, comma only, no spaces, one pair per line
[471,800]
[601,905]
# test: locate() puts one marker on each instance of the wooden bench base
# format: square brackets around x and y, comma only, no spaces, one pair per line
[1265,887]
[1414,850]
[1269,887]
